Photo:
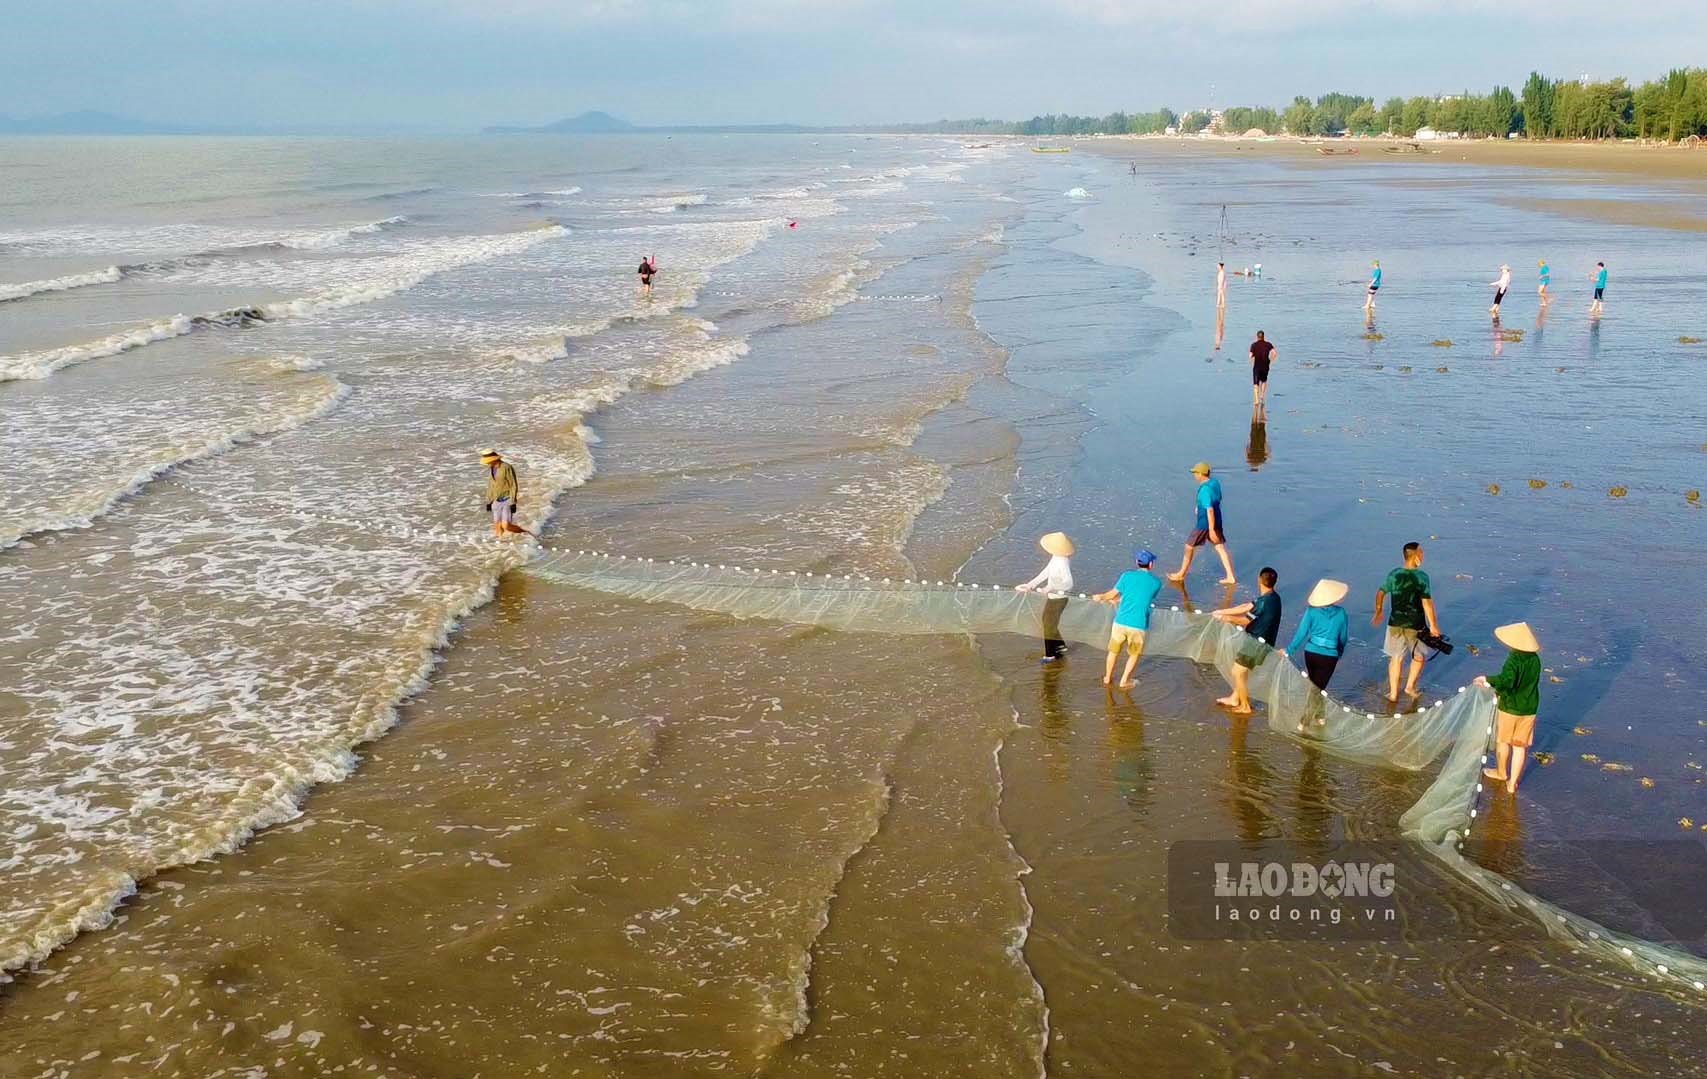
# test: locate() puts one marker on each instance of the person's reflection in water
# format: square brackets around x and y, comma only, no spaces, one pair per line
[1499,838]
[1540,324]
[1055,724]
[1316,796]
[1129,763]
[1220,327]
[1256,446]
[1594,340]
[1248,781]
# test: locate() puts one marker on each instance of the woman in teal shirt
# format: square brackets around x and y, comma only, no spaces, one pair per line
[1322,632]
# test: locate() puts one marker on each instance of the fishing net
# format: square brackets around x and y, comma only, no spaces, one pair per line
[1460,726]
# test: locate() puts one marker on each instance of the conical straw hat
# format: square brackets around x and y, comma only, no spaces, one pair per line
[1057,543]
[1518,635]
[1327,593]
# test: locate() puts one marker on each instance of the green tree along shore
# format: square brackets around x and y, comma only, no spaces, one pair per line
[1666,109]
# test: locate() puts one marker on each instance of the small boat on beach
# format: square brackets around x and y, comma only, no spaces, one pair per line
[1051,149]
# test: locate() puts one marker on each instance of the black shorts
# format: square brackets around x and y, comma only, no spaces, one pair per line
[1599,293]
[1259,374]
[1200,536]
[1373,289]
[1499,297]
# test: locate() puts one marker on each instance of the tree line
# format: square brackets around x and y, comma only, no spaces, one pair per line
[1666,109]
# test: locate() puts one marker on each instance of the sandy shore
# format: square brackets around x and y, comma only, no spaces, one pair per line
[1618,158]
[1593,164]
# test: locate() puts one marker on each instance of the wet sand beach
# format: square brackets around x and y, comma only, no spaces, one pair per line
[613,838]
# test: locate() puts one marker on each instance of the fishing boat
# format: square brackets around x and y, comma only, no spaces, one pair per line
[1051,149]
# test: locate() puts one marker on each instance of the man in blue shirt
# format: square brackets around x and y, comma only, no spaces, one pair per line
[1598,308]
[1374,285]
[1210,526]
[1131,597]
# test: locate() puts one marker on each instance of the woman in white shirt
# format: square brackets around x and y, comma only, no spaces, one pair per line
[1054,582]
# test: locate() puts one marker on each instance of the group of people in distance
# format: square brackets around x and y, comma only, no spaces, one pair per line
[1501,285]
[1405,596]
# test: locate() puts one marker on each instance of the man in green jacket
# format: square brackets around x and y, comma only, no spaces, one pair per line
[1518,686]
[503,494]
[1413,612]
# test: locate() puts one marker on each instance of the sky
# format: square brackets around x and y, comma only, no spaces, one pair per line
[461,64]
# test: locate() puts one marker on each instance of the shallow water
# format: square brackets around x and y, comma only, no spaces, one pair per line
[616,839]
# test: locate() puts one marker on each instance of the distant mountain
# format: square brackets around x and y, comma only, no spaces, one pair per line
[588,123]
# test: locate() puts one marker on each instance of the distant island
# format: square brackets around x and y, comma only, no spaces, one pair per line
[588,123]
[603,123]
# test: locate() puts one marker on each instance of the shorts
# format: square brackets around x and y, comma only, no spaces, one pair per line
[503,511]
[1499,297]
[1403,642]
[1373,289]
[1259,374]
[1253,652]
[1126,637]
[1515,730]
[1200,536]
[1599,294]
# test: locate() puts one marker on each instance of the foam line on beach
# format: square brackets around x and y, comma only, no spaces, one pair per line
[452,255]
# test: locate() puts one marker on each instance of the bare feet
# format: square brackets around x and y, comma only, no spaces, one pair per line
[1227,702]
[1494,774]
[1229,580]
[1176,577]
[1109,681]
[1239,711]
[1127,685]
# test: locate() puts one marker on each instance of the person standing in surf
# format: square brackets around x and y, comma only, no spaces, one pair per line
[1262,351]
[503,494]
[1518,687]
[1054,582]
[1131,597]
[1500,285]
[1545,273]
[1261,622]
[1210,527]
[1413,611]
[1322,634]
[1220,284]
[1374,286]
[648,268]
[1598,307]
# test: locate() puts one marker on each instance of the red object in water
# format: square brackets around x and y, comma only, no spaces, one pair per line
[794,224]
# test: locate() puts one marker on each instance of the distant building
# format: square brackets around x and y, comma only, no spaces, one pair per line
[1427,134]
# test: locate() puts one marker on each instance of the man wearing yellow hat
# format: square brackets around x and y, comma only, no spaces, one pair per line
[1210,525]
[1518,686]
[503,493]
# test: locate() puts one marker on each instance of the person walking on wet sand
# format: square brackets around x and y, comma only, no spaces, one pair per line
[1598,307]
[1413,612]
[1210,527]
[503,494]
[1220,284]
[1054,582]
[1545,273]
[648,268]
[1322,634]
[1500,285]
[1518,688]
[1262,351]
[1374,285]
[1131,597]
[1260,620]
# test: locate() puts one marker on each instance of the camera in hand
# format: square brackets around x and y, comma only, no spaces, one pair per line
[1441,643]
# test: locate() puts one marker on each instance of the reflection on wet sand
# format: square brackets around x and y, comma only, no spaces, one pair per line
[1248,785]
[1129,764]
[1256,445]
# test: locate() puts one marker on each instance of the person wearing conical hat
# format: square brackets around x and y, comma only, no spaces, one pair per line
[1322,634]
[503,493]
[1518,689]
[1054,582]
[1211,526]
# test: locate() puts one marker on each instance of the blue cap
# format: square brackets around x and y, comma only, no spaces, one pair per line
[1145,557]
